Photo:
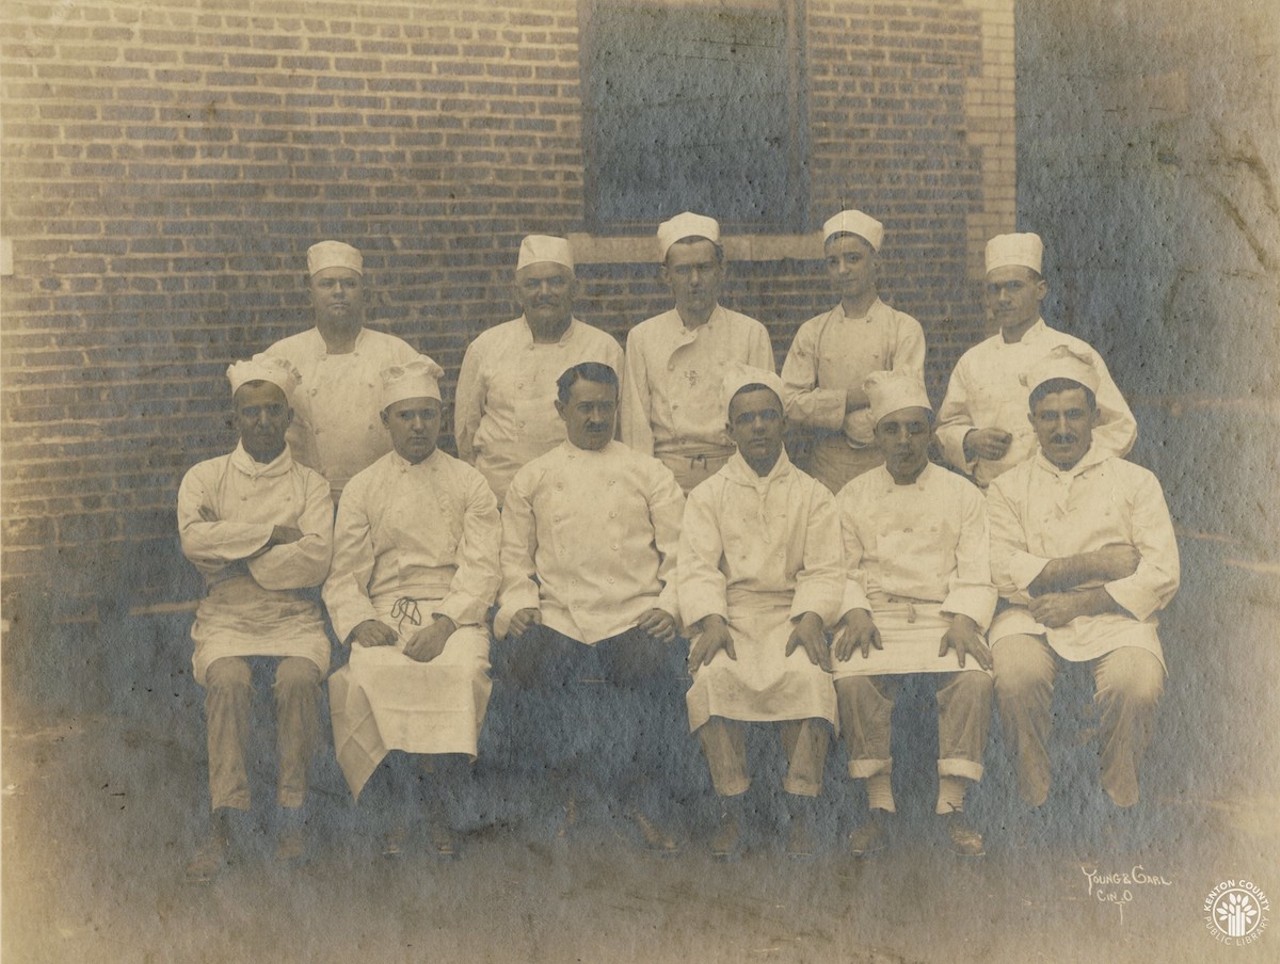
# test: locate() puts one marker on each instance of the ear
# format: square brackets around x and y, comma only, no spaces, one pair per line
[288,418]
[1042,289]
[561,408]
[386,423]
[666,274]
[1095,417]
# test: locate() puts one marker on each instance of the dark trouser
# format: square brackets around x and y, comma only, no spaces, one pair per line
[611,714]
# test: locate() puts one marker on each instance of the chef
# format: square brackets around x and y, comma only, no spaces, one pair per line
[760,580]
[589,536]
[505,414]
[918,599]
[676,360]
[832,354]
[415,569]
[982,424]
[335,429]
[259,528]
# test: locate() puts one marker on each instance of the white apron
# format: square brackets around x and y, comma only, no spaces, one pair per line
[911,631]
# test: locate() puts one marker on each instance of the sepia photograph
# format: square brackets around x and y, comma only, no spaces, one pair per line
[538,481]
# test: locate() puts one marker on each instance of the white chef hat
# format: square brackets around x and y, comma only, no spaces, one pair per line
[264,368]
[855,222]
[334,254]
[540,248]
[417,378]
[739,376]
[1026,250]
[890,392]
[686,225]
[1063,362]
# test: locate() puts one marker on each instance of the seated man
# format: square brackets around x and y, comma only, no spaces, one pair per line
[917,552]
[259,527]
[760,579]
[589,534]
[415,569]
[1083,549]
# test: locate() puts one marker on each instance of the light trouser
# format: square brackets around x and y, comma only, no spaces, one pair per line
[689,470]
[227,701]
[805,743]
[964,722]
[833,461]
[1128,682]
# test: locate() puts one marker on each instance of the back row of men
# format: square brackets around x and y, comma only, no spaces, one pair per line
[800,608]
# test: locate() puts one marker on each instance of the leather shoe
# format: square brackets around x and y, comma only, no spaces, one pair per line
[655,837]
[966,841]
[871,836]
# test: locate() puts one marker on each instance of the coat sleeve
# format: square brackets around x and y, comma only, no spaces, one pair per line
[1154,583]
[855,580]
[1117,429]
[637,430]
[666,511]
[1013,567]
[475,583]
[971,592]
[519,548]
[296,565]
[212,545]
[820,583]
[700,582]
[346,591]
[468,403]
[955,420]
[760,349]
[806,403]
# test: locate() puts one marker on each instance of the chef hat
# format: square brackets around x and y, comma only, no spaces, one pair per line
[264,368]
[419,378]
[334,254]
[1021,249]
[1063,362]
[739,376]
[540,248]
[855,222]
[686,225]
[890,392]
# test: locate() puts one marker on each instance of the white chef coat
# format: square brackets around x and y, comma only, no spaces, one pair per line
[254,606]
[916,555]
[833,353]
[760,552]
[412,541]
[505,413]
[671,393]
[988,389]
[337,426]
[1039,512]
[589,538]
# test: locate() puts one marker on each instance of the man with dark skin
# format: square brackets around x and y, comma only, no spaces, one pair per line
[259,527]
[1083,550]
[760,580]
[917,599]
[588,554]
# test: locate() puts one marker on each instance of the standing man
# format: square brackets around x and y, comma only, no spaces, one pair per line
[589,535]
[1083,549]
[415,569]
[676,360]
[833,354]
[505,412]
[259,527]
[336,430]
[760,580]
[918,600]
[982,424]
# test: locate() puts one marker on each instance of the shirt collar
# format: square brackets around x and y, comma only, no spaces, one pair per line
[743,474]
[402,463]
[246,463]
[840,314]
[1094,456]
[527,331]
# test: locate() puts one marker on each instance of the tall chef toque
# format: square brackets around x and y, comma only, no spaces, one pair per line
[334,254]
[1026,250]
[890,392]
[1063,362]
[419,378]
[542,248]
[264,368]
[739,376]
[686,225]
[855,222]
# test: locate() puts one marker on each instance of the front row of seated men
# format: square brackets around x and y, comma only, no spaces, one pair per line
[803,609]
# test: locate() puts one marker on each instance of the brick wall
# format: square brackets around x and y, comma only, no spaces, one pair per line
[167,164]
